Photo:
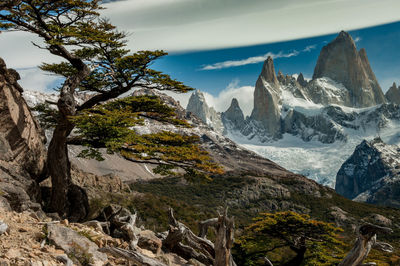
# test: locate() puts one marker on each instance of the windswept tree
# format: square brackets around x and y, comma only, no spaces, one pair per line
[95,60]
[298,239]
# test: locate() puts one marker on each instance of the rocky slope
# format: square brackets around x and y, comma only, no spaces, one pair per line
[371,174]
[252,184]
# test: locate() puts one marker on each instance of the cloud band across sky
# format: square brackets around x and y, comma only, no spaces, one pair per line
[256,59]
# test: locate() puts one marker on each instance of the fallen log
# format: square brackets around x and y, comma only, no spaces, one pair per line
[132,255]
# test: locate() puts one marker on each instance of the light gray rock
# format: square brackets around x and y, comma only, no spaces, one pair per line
[266,110]
[3,227]
[198,106]
[75,244]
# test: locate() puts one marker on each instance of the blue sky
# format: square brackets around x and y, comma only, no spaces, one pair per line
[381,42]
[204,35]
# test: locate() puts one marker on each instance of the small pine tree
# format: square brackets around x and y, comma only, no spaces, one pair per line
[289,238]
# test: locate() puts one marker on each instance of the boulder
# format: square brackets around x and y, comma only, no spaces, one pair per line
[149,241]
[75,245]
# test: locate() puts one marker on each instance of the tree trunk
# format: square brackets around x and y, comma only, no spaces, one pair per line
[298,259]
[365,242]
[67,200]
[224,241]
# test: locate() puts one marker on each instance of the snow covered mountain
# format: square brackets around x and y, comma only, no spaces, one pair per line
[371,174]
[311,127]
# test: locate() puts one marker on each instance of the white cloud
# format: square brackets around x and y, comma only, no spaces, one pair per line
[33,79]
[222,101]
[248,61]
[309,48]
[182,25]
[357,39]
[244,95]
[257,59]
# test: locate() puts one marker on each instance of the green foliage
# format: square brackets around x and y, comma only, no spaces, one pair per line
[112,126]
[47,116]
[96,60]
[274,232]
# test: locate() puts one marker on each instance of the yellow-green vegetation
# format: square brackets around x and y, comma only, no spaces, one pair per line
[289,238]
[80,255]
[112,126]
[194,198]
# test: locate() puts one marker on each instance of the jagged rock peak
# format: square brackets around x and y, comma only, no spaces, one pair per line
[234,103]
[233,118]
[393,94]
[266,110]
[281,77]
[268,71]
[197,105]
[341,62]
[301,80]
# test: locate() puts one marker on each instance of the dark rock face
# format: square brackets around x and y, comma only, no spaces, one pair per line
[233,118]
[340,61]
[266,98]
[393,94]
[371,174]
[301,80]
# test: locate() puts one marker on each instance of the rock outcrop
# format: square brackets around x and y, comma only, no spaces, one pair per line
[233,118]
[341,62]
[393,94]
[266,110]
[198,106]
[21,139]
[371,174]
[22,150]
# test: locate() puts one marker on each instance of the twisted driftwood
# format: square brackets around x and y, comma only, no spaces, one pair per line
[195,247]
[185,243]
[224,240]
[365,242]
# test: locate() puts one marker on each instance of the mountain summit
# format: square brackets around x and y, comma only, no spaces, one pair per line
[341,62]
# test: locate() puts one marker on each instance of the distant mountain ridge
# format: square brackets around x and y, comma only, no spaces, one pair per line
[342,103]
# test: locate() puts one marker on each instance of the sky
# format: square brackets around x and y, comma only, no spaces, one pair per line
[218,46]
